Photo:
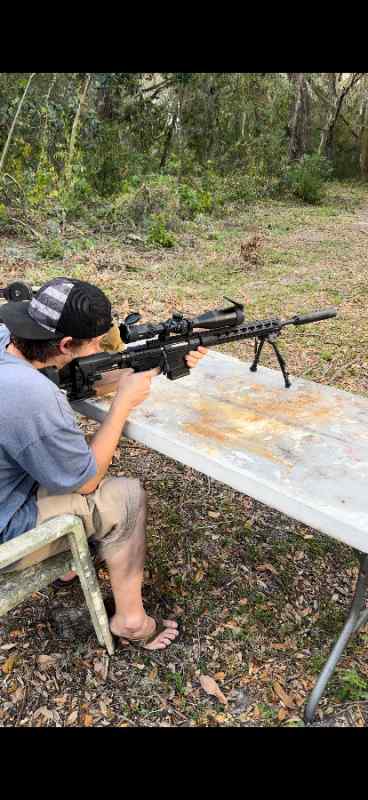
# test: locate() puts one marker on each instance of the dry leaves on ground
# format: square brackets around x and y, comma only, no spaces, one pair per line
[211,687]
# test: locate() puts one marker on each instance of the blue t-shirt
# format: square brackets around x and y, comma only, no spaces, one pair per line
[40,443]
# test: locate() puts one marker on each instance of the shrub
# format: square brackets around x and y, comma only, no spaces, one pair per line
[304,179]
[159,234]
[3,213]
[194,201]
[51,248]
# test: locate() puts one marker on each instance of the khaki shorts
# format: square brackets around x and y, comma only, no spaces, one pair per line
[109,514]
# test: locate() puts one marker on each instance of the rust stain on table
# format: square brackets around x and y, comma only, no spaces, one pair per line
[259,422]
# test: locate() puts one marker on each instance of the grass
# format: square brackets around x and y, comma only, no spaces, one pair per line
[248,627]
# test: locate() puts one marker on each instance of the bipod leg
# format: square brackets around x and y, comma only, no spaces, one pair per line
[257,353]
[358,616]
[282,364]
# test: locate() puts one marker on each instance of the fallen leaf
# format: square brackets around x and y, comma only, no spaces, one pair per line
[233,625]
[214,514]
[9,664]
[286,699]
[219,676]
[211,687]
[18,695]
[101,668]
[221,718]
[198,576]
[267,568]
[45,662]
[153,674]
[104,709]
[282,714]
[72,717]
[61,699]
[44,712]
[16,632]
[279,646]
[8,646]
[87,720]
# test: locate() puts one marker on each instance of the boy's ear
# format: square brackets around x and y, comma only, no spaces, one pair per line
[65,344]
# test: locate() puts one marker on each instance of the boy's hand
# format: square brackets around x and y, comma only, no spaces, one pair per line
[194,356]
[134,387]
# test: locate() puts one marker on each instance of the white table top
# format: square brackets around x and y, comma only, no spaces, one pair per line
[303,450]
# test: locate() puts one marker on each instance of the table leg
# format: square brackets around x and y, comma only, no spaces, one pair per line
[357,617]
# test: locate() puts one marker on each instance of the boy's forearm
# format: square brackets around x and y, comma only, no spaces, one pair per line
[105,441]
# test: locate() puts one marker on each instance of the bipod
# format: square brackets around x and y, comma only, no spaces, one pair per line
[258,345]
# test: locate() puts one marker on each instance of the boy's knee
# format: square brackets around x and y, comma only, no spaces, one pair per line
[128,504]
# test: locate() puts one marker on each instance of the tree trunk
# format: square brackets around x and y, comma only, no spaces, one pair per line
[337,100]
[181,131]
[74,133]
[363,160]
[43,136]
[299,124]
[211,91]
[363,138]
[10,134]
[168,140]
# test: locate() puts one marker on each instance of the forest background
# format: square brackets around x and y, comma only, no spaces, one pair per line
[150,150]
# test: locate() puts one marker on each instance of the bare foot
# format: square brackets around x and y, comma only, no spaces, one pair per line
[162,640]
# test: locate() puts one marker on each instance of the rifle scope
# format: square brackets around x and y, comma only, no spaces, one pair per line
[178,324]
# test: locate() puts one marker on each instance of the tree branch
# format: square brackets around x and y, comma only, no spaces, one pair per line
[10,134]
[320,94]
[73,135]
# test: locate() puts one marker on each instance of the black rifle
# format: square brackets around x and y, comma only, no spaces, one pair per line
[167,343]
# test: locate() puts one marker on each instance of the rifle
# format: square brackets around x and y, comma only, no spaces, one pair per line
[167,343]
[18,291]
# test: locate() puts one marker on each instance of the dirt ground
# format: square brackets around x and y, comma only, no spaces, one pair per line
[259,597]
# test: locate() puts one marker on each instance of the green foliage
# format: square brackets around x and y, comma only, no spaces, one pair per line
[267,712]
[326,355]
[159,234]
[352,686]
[42,185]
[194,201]
[51,248]
[3,213]
[243,188]
[305,179]
[179,145]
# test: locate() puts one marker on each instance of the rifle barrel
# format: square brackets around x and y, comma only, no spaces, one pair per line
[316,316]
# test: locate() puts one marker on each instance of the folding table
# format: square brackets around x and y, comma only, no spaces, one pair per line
[302,451]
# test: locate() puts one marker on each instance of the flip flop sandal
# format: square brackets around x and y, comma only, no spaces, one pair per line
[60,584]
[121,641]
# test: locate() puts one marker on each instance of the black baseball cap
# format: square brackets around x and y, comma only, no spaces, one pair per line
[61,307]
